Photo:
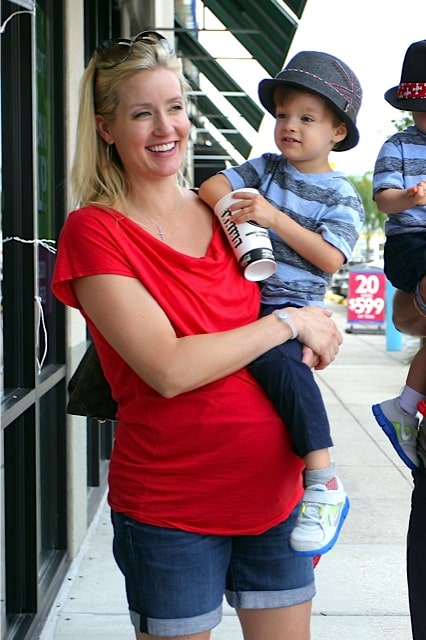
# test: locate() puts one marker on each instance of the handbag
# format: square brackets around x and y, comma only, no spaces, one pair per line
[89,393]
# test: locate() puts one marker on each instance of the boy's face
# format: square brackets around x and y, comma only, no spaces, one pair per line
[306,130]
[419,118]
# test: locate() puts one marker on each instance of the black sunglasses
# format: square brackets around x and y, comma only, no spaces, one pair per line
[114,52]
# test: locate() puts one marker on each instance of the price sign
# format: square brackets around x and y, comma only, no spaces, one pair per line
[366,297]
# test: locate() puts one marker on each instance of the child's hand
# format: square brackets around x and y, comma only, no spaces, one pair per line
[253,206]
[310,358]
[418,193]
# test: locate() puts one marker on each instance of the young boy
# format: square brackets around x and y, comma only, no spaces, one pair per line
[399,188]
[314,215]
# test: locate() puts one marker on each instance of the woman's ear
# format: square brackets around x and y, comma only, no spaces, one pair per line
[103,129]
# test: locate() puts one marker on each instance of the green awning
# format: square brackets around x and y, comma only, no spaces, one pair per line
[219,121]
[297,6]
[264,28]
[189,47]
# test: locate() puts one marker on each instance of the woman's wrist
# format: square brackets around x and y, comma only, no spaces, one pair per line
[284,316]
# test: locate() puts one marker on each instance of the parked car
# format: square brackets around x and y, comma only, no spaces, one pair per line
[340,281]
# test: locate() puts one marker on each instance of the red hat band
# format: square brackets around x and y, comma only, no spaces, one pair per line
[411,90]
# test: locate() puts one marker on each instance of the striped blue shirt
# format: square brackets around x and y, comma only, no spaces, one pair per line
[326,203]
[401,164]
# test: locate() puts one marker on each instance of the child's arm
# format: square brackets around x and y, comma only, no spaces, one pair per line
[306,243]
[309,245]
[213,189]
[391,201]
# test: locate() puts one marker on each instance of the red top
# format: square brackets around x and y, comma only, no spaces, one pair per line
[214,460]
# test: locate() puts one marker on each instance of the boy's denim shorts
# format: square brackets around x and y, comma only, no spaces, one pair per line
[175,580]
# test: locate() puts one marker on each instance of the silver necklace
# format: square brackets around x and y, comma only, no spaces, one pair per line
[160,229]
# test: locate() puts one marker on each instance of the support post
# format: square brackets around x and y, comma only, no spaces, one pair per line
[393,336]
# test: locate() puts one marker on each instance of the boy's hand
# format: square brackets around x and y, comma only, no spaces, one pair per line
[418,194]
[253,206]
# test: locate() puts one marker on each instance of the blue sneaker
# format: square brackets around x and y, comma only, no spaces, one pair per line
[322,513]
[401,428]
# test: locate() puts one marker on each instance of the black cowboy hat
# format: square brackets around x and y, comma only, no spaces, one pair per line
[327,76]
[410,94]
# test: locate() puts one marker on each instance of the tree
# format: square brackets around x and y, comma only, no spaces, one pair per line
[405,121]
[374,220]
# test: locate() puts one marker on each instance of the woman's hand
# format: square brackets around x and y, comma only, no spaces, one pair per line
[319,335]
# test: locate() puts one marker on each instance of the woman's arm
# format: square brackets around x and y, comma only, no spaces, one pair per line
[138,329]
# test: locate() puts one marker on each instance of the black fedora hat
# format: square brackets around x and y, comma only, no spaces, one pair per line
[410,94]
[327,76]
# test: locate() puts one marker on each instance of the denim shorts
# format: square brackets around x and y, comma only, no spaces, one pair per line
[175,580]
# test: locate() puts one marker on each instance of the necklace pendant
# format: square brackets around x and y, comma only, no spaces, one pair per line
[161,233]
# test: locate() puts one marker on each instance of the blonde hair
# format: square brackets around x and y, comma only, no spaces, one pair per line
[97,176]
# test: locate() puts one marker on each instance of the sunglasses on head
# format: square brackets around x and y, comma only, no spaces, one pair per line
[115,51]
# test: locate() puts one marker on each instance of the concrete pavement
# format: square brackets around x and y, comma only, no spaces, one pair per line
[361,585]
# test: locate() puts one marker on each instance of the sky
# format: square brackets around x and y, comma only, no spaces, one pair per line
[371,36]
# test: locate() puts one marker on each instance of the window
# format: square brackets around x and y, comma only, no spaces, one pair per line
[33,371]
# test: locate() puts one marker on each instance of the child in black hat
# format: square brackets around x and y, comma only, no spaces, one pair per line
[314,215]
[399,188]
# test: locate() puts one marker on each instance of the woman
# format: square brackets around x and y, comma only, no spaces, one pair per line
[203,485]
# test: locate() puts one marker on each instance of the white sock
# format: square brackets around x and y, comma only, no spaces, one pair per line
[318,476]
[409,399]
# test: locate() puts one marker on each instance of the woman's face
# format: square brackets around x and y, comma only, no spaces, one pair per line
[150,129]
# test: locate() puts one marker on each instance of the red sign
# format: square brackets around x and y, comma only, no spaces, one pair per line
[366,296]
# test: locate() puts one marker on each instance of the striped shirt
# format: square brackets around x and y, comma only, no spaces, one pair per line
[401,164]
[325,203]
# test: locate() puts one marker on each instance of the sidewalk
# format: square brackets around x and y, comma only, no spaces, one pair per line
[361,585]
